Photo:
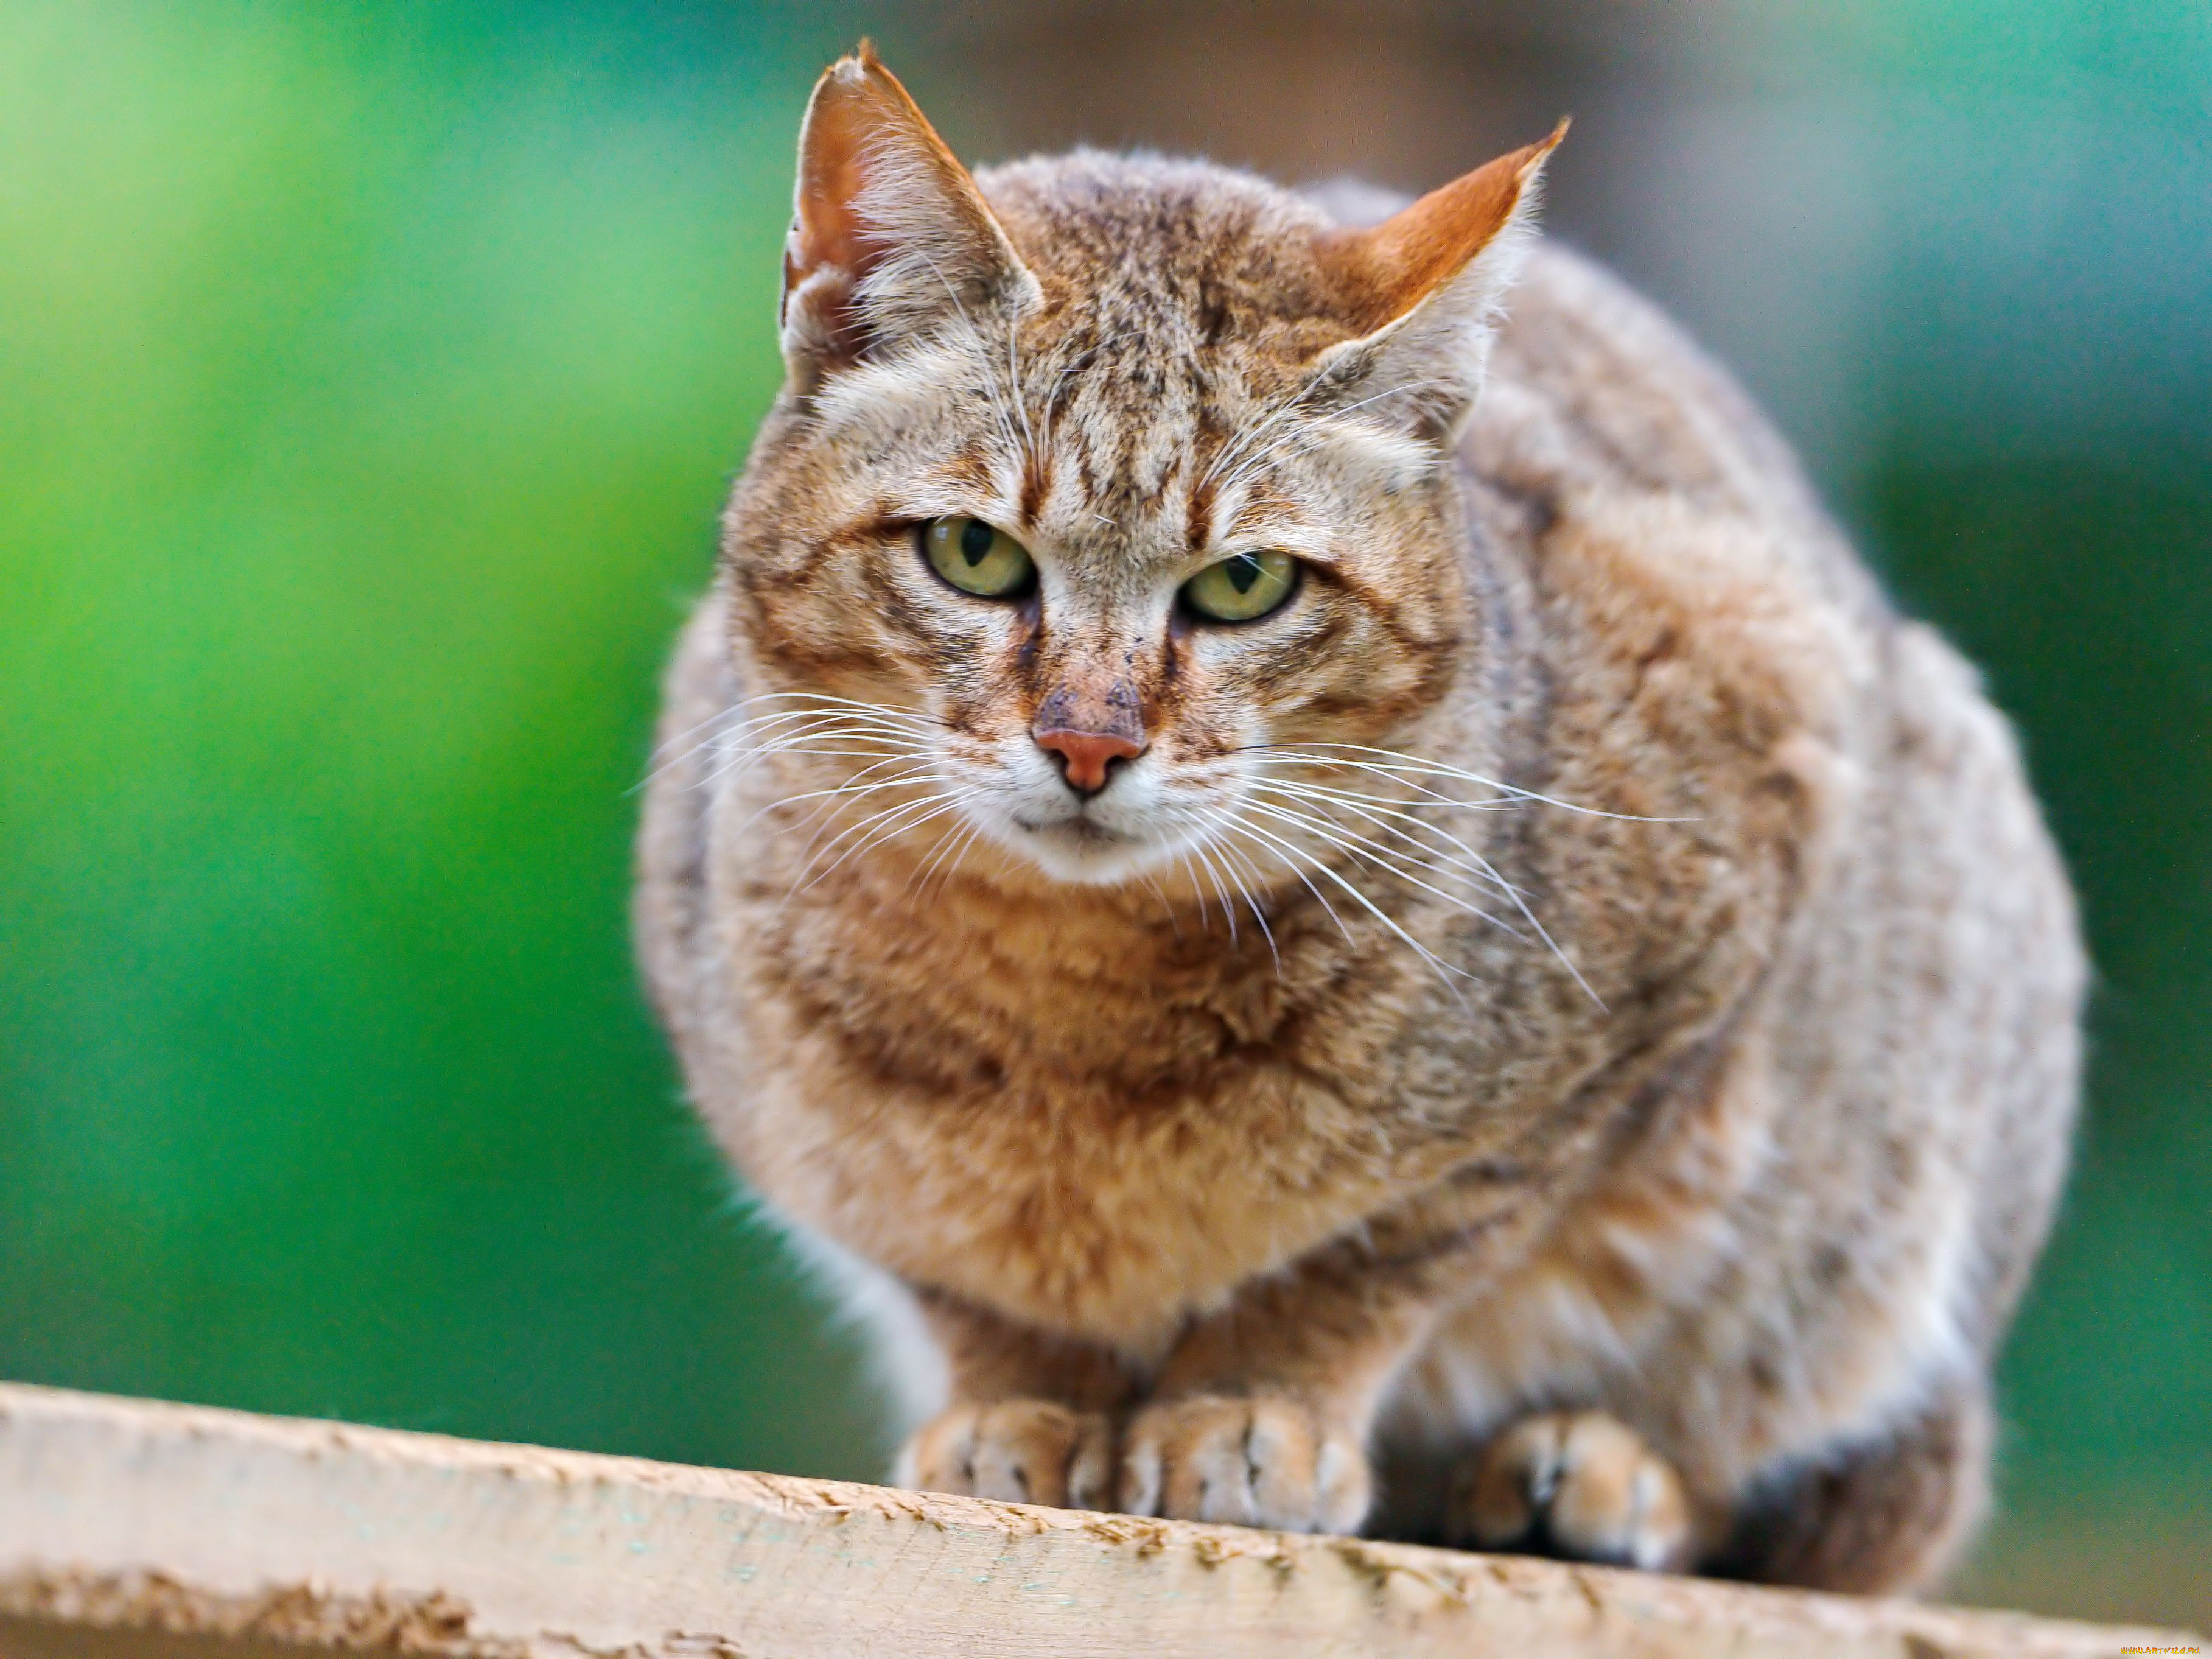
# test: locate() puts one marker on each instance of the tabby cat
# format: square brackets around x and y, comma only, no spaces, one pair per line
[1298,846]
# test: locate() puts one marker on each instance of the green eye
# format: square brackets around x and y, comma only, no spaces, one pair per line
[1239,589]
[977,558]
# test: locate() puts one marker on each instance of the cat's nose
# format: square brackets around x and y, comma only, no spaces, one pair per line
[1085,757]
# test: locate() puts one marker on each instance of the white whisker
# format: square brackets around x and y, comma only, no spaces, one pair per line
[873,831]
[1396,762]
[1444,969]
[1224,821]
[966,845]
[1360,848]
[1469,861]
[937,851]
[1230,861]
[1190,875]
[1213,877]
[1321,795]
[904,780]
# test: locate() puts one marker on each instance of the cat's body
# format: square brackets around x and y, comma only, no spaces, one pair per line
[1670,1212]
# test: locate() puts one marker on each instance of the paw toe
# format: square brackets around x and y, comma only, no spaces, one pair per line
[1581,1485]
[1017,1451]
[1264,1462]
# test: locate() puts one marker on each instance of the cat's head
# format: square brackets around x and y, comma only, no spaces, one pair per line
[1102,481]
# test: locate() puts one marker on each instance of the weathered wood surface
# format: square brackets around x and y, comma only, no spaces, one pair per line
[124,1525]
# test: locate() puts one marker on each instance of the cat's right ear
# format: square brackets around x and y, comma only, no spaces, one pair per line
[1425,287]
[889,238]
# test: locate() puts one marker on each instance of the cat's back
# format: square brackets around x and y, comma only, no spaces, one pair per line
[1929,990]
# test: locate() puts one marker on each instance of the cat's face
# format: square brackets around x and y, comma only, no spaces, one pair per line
[1102,487]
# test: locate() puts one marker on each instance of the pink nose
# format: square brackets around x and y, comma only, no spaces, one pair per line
[1085,756]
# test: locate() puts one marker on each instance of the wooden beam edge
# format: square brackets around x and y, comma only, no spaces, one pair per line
[141,1515]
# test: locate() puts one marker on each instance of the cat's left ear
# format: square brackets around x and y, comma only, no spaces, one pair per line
[1426,288]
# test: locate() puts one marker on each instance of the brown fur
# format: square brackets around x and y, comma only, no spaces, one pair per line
[1731,1153]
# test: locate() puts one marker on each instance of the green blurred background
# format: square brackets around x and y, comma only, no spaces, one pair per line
[369,377]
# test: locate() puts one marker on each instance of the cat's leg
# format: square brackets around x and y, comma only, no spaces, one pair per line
[1261,1415]
[1882,1514]
[1031,1419]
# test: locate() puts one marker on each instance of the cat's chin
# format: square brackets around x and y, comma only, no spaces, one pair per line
[1079,850]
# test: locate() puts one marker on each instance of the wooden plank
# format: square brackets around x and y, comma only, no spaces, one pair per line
[126,1525]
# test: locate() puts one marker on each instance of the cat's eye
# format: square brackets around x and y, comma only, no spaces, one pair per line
[978,558]
[1242,588]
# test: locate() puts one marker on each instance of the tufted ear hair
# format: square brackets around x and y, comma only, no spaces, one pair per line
[1426,288]
[889,238]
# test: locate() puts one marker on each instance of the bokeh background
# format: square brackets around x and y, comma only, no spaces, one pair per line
[370,375]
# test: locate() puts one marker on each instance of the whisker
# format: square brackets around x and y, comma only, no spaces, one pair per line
[761,744]
[1469,862]
[1190,874]
[1229,862]
[828,699]
[896,822]
[1399,762]
[1421,796]
[832,728]
[670,755]
[1251,430]
[828,796]
[952,870]
[1360,848]
[1441,967]
[1490,873]
[666,746]
[1301,442]
[1166,904]
[806,722]
[1213,875]
[1398,391]
[943,844]
[821,715]
[814,722]
[937,849]
[873,831]
[1224,821]
[745,760]
[822,812]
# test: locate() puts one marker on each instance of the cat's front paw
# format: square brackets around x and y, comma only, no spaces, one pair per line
[1266,1460]
[1018,1452]
[1580,1484]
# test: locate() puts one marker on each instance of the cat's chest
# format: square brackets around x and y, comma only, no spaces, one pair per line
[1102,1150]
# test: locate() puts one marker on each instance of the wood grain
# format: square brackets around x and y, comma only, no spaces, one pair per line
[127,1524]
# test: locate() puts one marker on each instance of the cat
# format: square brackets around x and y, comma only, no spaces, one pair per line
[1299,845]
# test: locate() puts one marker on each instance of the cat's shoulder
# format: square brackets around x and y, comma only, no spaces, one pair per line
[1593,387]
[1701,614]
[1646,477]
